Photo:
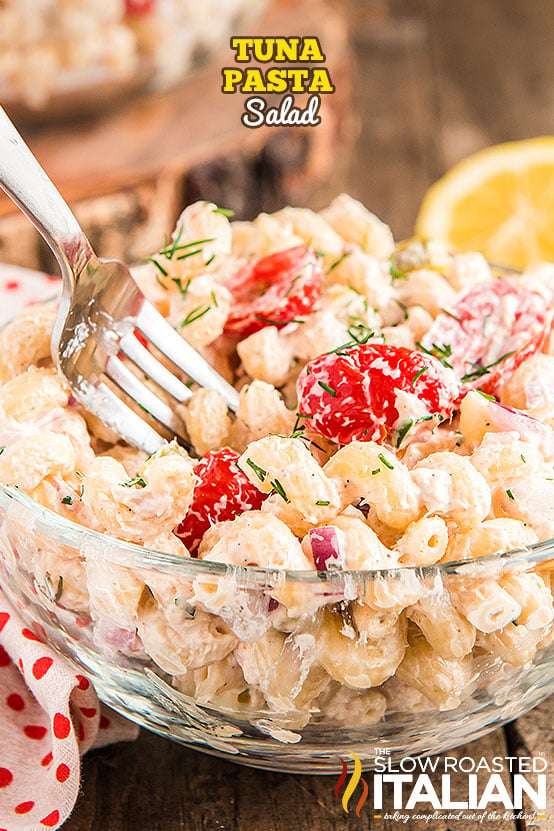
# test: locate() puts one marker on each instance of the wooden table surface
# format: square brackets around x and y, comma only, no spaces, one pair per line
[436,80]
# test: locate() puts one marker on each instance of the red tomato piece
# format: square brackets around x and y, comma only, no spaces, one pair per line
[139,6]
[274,290]
[370,391]
[221,492]
[487,332]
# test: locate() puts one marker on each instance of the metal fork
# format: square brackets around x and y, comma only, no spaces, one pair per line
[100,312]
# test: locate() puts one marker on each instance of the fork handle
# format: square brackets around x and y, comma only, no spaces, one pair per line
[24,180]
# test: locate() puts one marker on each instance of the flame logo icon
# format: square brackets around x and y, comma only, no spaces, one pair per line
[355,779]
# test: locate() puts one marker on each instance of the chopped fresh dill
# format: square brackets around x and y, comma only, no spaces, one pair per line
[189,254]
[177,246]
[193,315]
[403,430]
[322,502]
[277,322]
[441,353]
[169,252]
[479,370]
[136,480]
[338,262]
[395,273]
[278,488]
[402,306]
[179,283]
[296,434]
[418,375]
[451,314]
[292,282]
[327,388]
[67,500]
[315,444]
[259,471]
[510,494]
[385,461]
[160,268]
[486,395]
[360,333]
[224,212]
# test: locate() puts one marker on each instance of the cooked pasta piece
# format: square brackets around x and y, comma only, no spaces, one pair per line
[373,473]
[361,649]
[427,288]
[284,668]
[128,508]
[26,462]
[261,411]
[25,341]
[423,542]
[452,488]
[286,466]
[493,536]
[483,602]
[195,642]
[450,634]
[345,706]
[207,420]
[532,594]
[515,644]
[445,683]
[222,685]
[356,224]
[34,393]
[313,230]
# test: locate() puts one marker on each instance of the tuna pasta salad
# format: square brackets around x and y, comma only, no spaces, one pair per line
[396,417]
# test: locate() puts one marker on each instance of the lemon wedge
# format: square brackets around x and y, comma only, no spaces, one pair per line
[499,201]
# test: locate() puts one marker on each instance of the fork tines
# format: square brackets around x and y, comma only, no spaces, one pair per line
[155,328]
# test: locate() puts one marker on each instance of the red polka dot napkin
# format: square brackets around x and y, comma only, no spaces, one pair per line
[49,716]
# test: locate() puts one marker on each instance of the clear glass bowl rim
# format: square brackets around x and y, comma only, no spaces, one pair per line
[127,554]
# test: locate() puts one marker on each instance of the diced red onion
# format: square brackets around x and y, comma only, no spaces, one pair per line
[114,636]
[326,548]
[505,418]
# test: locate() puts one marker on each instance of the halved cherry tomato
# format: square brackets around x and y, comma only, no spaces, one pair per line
[370,391]
[274,290]
[487,332]
[222,492]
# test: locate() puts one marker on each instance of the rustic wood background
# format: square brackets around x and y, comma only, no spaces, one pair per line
[155,785]
[435,80]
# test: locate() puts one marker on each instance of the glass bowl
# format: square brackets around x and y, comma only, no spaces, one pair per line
[286,670]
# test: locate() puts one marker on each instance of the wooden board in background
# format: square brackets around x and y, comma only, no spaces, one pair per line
[128,173]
